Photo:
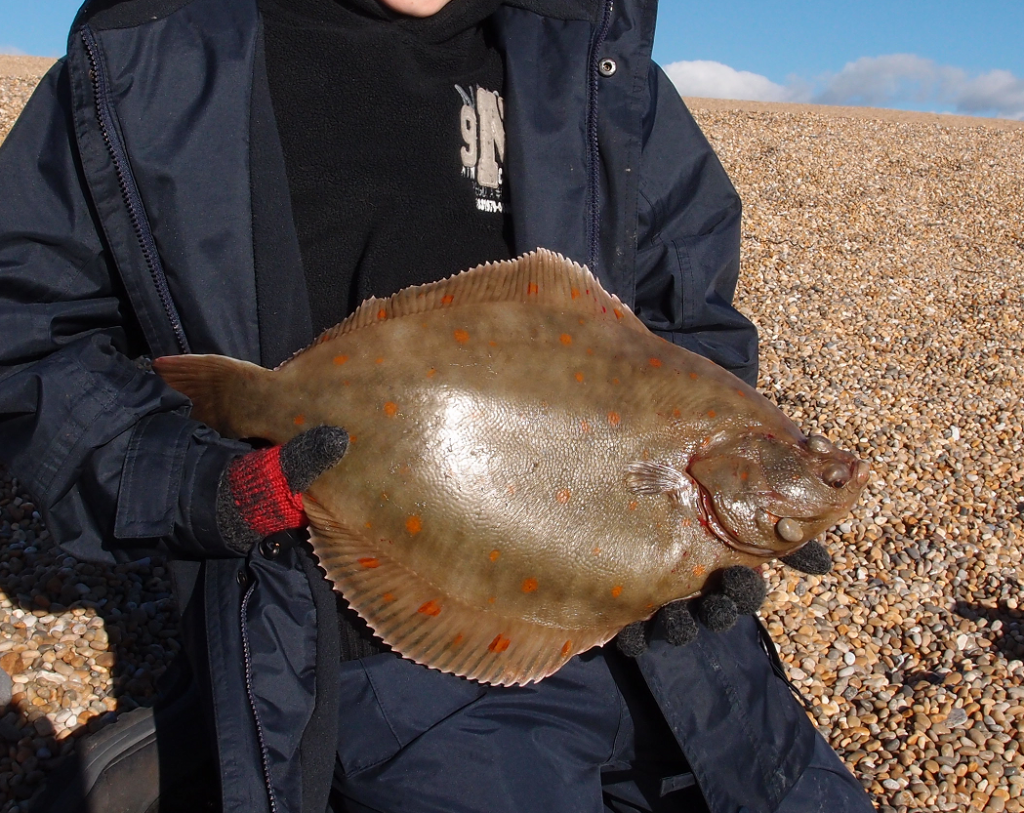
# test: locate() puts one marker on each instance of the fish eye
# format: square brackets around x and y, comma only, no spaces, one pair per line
[819,444]
[836,476]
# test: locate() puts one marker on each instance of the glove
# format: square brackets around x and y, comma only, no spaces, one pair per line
[741,591]
[260,492]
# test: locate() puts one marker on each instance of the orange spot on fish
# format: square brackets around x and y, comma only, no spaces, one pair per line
[499,644]
[431,372]
[618,313]
[379,360]
[511,489]
[388,597]
[563,496]
[699,570]
[492,599]
[676,413]
[414,524]
[575,293]
[430,608]
[615,381]
[579,377]
[566,649]
[633,505]
[368,525]
[583,321]
[686,523]
[529,585]
[654,362]
[461,336]
[590,351]
[694,376]
[741,393]
[614,419]
[391,409]
[492,344]
[494,555]
[584,425]
[352,439]
[369,562]
[744,475]
[532,289]
[457,640]
[565,339]
[382,314]
[617,591]
[447,299]
[299,420]
[711,413]
[339,360]
[596,551]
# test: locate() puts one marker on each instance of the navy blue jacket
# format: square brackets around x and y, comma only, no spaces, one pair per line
[144,211]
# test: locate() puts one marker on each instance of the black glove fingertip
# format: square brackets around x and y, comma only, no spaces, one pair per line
[811,559]
[746,587]
[680,625]
[632,639]
[717,612]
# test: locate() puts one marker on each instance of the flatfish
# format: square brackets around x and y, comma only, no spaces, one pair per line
[530,469]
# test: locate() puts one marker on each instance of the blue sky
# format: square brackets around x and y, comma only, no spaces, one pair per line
[962,56]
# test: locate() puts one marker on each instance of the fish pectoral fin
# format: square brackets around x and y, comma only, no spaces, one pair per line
[425,625]
[649,478]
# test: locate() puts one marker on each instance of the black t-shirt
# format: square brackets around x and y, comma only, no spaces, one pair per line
[393,139]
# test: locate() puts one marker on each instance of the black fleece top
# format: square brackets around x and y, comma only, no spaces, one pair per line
[391,129]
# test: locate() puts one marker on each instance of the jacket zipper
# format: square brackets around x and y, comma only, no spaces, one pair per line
[594,165]
[129,191]
[251,694]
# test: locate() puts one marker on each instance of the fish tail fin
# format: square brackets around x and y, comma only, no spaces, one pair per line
[227,394]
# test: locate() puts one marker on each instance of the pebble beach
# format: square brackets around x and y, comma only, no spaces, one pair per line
[883,262]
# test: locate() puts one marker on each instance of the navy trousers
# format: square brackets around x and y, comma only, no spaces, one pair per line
[588,739]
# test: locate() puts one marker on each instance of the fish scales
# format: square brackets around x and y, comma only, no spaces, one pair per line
[520,478]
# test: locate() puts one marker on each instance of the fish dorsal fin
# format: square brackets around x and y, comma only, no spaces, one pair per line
[423,624]
[541,277]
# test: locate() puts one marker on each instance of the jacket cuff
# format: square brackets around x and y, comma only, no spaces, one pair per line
[169,482]
[199,534]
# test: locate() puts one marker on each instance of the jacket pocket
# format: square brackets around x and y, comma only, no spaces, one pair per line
[388,701]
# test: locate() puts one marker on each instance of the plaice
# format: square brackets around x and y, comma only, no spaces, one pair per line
[530,469]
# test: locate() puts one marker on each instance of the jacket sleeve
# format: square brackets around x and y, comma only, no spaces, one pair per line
[104,446]
[688,238]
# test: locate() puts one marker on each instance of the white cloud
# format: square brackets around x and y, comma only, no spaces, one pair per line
[893,80]
[717,81]
[997,90]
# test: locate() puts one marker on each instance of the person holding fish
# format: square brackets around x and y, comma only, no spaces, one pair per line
[484,460]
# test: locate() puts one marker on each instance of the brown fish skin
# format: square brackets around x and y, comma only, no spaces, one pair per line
[540,458]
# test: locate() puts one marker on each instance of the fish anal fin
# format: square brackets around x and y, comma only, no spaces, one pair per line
[541,277]
[425,625]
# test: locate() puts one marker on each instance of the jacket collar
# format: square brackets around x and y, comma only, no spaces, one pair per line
[588,10]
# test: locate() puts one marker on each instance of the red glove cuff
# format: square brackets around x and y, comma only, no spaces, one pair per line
[262,495]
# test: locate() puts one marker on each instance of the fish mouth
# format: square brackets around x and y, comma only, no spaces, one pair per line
[710,521]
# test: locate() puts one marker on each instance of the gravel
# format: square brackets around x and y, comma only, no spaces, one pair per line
[883,261]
